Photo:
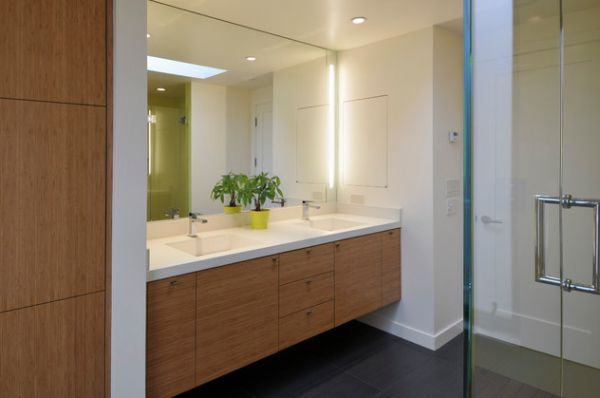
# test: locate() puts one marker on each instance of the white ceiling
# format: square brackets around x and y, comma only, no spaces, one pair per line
[183,35]
[327,23]
[188,37]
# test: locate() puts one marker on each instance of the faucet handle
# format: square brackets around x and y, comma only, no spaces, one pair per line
[196,217]
[280,201]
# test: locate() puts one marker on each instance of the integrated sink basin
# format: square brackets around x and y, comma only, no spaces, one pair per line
[203,245]
[331,224]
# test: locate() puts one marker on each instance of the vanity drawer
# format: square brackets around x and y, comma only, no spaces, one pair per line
[300,264]
[304,324]
[305,293]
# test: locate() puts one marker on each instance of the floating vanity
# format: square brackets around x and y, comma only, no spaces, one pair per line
[232,296]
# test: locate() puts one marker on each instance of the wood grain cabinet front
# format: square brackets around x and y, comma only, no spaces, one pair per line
[171,336]
[390,267]
[237,316]
[357,277]
[305,293]
[52,201]
[54,50]
[300,264]
[54,350]
[304,324]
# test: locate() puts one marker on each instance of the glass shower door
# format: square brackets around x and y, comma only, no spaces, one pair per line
[581,193]
[533,311]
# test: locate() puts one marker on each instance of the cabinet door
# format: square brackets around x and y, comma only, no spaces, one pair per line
[357,277]
[52,201]
[54,350]
[237,316]
[53,50]
[390,267]
[171,336]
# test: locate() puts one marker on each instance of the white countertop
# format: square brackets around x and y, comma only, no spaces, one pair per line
[166,261]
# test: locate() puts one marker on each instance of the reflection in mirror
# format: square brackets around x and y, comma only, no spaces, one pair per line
[227,99]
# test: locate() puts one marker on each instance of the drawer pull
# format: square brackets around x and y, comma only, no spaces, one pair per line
[174,283]
[309,312]
[391,233]
[308,252]
[337,245]
[308,282]
[274,259]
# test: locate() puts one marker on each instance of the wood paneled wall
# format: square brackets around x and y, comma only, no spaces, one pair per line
[55,138]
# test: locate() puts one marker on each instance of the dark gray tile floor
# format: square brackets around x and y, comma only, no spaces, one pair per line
[353,360]
[358,361]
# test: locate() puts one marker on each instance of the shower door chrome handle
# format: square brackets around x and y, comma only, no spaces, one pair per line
[566,202]
[489,220]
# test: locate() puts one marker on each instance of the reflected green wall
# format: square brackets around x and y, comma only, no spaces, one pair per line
[169,156]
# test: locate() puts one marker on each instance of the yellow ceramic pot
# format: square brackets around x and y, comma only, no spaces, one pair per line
[259,219]
[232,209]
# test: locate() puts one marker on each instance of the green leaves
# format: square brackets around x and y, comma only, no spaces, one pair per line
[229,184]
[259,188]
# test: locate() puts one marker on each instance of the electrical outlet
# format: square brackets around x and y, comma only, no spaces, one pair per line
[357,199]
[452,188]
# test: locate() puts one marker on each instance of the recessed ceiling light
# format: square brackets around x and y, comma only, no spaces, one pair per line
[161,89]
[178,68]
[147,35]
[250,58]
[359,20]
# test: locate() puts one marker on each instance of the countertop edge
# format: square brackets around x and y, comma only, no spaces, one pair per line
[265,251]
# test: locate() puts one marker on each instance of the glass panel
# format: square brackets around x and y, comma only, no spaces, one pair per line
[516,155]
[581,163]
[168,154]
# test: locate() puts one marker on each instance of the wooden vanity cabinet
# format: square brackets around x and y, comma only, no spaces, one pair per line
[306,293]
[390,267]
[171,336]
[236,317]
[204,325]
[357,277]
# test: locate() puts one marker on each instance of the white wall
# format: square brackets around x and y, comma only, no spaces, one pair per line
[402,68]
[447,166]
[128,288]
[209,144]
[239,130]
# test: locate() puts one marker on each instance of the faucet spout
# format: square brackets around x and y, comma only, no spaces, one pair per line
[306,205]
[194,218]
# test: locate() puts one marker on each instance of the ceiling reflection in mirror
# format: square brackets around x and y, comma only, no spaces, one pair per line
[228,99]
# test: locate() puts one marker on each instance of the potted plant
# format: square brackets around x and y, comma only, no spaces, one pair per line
[229,185]
[256,191]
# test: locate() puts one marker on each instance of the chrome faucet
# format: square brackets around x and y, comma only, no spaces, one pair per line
[306,205]
[172,213]
[195,217]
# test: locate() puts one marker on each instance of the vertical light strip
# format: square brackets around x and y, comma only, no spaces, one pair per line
[150,119]
[331,127]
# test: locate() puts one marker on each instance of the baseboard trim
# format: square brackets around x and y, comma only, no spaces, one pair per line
[419,337]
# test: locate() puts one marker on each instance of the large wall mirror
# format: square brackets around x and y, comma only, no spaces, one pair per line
[223,98]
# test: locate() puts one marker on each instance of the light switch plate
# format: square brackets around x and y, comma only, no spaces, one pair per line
[451,207]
